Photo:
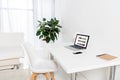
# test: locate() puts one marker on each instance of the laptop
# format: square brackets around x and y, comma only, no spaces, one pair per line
[80,42]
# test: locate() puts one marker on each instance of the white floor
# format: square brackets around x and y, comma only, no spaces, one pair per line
[25,75]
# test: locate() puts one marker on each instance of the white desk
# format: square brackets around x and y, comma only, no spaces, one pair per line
[73,63]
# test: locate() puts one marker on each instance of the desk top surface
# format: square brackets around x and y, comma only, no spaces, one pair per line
[80,62]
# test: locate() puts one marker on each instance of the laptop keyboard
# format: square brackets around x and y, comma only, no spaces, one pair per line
[75,46]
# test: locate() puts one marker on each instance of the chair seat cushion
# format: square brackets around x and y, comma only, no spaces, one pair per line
[43,66]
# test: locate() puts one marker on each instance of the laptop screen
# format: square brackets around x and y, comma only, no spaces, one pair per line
[81,40]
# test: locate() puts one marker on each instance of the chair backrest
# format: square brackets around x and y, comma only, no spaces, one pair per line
[31,52]
[11,39]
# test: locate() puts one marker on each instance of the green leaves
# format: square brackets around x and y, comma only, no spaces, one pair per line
[48,30]
[47,39]
[41,36]
[38,33]
[57,30]
[52,37]
[44,19]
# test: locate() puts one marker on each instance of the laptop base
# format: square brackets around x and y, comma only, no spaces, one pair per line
[74,48]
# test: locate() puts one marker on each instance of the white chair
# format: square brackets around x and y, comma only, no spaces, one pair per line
[38,64]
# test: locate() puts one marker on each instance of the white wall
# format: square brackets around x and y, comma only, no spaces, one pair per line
[98,18]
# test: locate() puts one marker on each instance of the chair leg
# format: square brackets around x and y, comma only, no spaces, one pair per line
[47,76]
[33,76]
[52,76]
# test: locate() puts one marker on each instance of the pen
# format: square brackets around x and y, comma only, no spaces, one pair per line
[77,53]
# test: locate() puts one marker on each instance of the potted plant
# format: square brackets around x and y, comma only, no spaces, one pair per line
[48,30]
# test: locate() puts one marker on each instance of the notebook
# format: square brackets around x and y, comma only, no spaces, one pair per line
[106,56]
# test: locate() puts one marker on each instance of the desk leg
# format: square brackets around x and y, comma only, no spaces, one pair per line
[73,76]
[112,73]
